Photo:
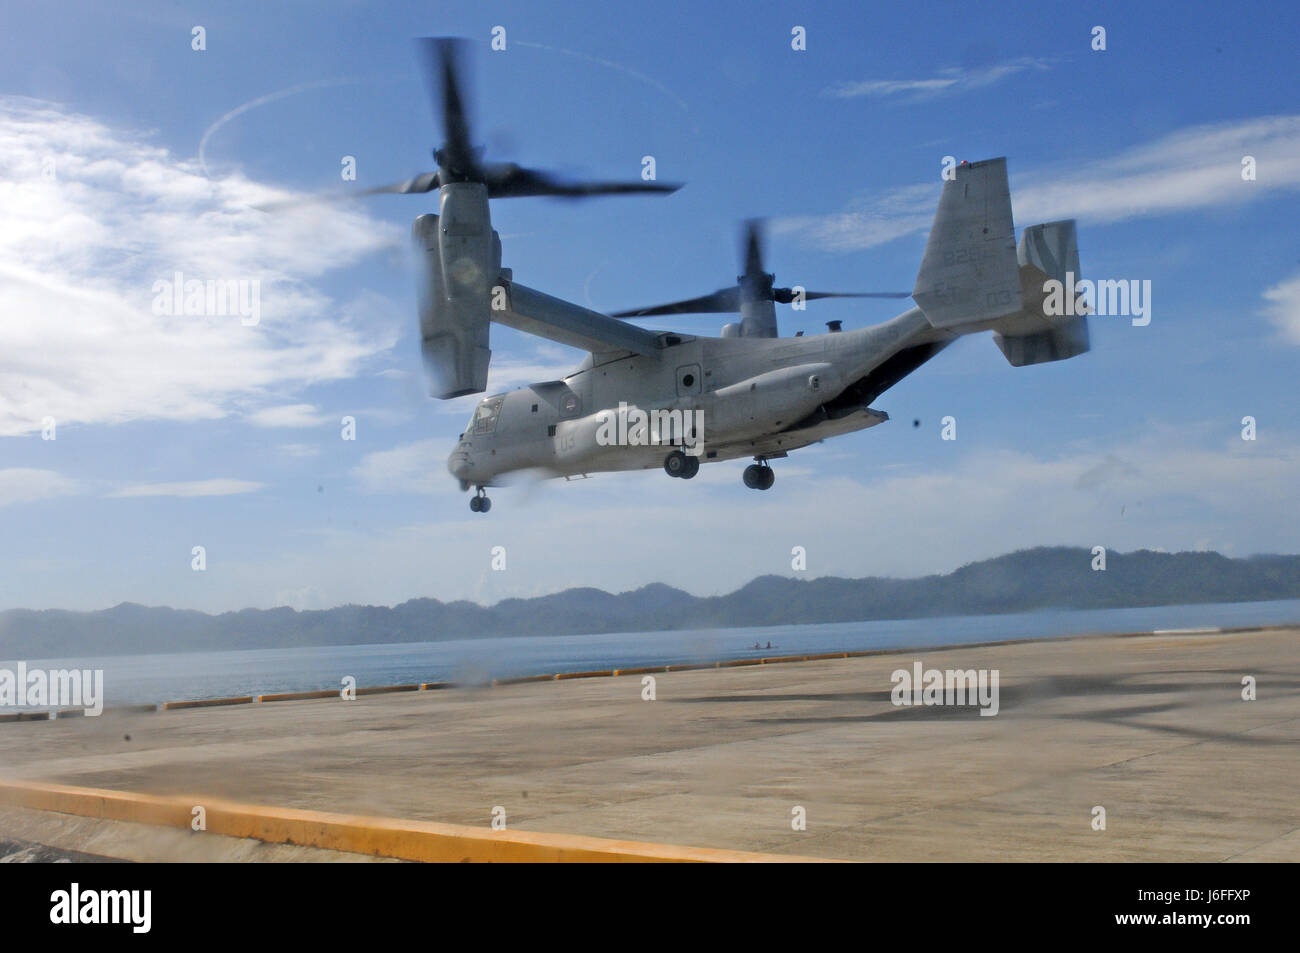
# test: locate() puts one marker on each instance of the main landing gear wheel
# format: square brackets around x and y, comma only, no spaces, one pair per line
[759,476]
[678,464]
[479,503]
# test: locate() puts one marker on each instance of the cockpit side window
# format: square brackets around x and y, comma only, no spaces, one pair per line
[485,417]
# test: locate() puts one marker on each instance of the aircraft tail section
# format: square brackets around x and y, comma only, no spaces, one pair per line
[970,274]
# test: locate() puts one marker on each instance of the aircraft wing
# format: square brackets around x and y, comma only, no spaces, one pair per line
[557,320]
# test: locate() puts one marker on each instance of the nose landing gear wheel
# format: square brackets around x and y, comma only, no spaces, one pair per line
[479,503]
[759,476]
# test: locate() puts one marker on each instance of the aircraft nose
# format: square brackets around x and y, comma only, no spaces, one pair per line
[458,464]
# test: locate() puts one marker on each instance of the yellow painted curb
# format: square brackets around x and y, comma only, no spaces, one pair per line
[522,680]
[207,703]
[379,836]
[645,670]
[298,696]
[387,689]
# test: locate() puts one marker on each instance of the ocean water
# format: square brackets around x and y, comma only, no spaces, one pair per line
[136,679]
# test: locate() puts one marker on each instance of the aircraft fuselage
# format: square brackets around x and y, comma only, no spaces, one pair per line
[747,397]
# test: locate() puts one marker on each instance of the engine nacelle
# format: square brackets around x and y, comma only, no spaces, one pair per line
[462,263]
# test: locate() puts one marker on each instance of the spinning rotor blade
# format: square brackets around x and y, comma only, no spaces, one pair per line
[786,295]
[726,300]
[459,160]
[443,57]
[755,286]
[508,180]
[424,182]
[752,249]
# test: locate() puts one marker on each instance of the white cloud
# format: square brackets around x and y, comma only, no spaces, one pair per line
[287,415]
[1283,307]
[949,80]
[411,468]
[214,487]
[27,484]
[300,450]
[79,254]
[867,221]
[302,599]
[1194,168]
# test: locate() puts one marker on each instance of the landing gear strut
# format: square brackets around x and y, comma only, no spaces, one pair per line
[678,464]
[759,476]
[479,502]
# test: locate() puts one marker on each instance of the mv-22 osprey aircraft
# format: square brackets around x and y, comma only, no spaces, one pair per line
[748,393]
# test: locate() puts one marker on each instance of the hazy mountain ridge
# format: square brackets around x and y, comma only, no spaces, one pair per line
[1046,577]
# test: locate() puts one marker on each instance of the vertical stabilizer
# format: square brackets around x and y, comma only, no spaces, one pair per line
[970,273]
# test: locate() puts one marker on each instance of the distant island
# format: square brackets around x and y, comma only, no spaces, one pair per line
[1056,577]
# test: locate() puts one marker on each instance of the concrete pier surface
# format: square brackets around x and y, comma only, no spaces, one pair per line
[1153,729]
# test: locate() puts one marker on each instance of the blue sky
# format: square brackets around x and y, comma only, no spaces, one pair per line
[174,432]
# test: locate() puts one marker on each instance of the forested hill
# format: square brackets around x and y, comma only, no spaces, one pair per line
[1049,577]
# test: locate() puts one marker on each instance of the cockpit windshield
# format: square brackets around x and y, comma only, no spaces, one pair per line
[485,415]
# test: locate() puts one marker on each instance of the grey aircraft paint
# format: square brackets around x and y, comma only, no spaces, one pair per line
[760,395]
